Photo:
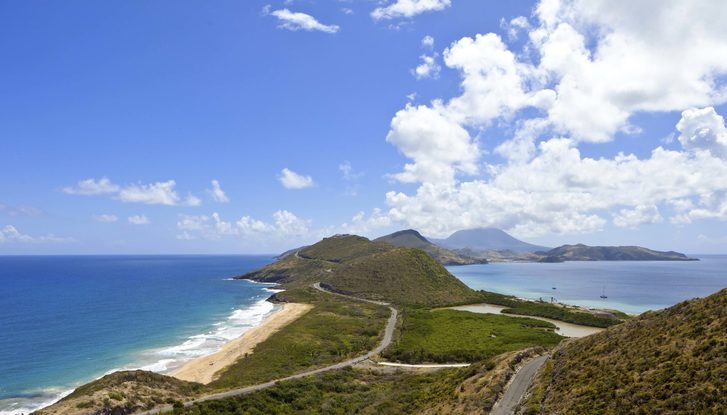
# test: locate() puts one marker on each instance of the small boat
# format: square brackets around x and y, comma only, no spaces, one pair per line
[603,293]
[553,287]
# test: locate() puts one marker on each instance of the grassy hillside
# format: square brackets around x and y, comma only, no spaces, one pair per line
[376,270]
[342,248]
[446,336]
[124,392]
[671,361]
[403,276]
[412,239]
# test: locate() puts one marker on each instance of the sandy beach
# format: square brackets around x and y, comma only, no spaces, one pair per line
[203,369]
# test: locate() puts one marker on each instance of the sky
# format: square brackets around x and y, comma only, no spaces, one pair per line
[257,126]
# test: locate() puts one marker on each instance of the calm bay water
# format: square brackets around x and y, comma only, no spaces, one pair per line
[631,286]
[66,320]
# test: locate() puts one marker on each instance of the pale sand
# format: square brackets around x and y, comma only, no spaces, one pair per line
[203,369]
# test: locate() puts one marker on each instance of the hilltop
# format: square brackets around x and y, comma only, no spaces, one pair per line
[669,361]
[372,269]
[412,239]
[487,239]
[582,252]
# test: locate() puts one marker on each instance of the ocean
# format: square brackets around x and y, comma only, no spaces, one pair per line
[631,286]
[66,320]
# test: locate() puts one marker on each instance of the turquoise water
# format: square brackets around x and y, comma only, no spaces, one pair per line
[66,320]
[631,286]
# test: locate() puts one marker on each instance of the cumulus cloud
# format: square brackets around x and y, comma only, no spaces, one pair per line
[703,130]
[429,68]
[292,180]
[105,218]
[427,42]
[439,146]
[408,8]
[139,220]
[9,234]
[585,69]
[158,193]
[218,195]
[92,186]
[285,224]
[632,218]
[295,21]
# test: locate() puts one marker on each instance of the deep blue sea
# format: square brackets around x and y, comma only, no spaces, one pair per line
[65,320]
[631,286]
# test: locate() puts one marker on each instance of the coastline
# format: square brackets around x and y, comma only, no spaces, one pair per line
[204,368]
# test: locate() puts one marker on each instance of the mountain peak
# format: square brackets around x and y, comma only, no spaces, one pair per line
[487,239]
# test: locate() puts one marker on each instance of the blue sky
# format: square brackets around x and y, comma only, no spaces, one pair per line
[288,106]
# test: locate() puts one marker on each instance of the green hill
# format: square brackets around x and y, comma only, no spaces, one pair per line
[667,362]
[371,269]
[412,239]
[404,276]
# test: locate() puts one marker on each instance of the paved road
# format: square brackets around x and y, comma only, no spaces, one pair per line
[514,393]
[388,334]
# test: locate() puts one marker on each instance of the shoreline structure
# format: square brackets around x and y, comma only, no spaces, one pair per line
[204,368]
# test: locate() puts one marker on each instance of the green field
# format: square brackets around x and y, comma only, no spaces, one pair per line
[334,330]
[446,336]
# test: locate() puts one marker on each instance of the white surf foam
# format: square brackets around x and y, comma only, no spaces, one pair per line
[162,360]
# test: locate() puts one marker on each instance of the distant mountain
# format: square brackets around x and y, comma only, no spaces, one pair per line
[582,252]
[412,239]
[487,239]
[666,362]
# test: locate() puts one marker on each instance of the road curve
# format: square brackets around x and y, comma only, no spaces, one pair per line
[514,393]
[385,342]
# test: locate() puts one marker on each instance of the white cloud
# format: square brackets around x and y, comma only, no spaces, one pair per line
[159,193]
[284,225]
[585,69]
[408,8]
[361,224]
[429,68]
[218,195]
[300,21]
[139,220]
[703,130]
[293,180]
[438,146]
[640,215]
[9,234]
[92,187]
[427,42]
[105,218]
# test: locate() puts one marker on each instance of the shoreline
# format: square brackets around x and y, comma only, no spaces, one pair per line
[203,369]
